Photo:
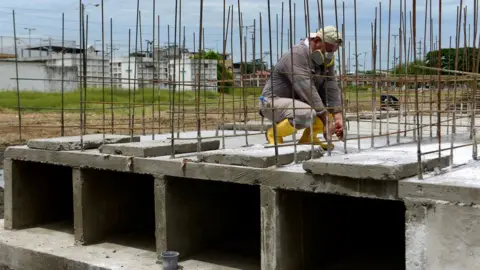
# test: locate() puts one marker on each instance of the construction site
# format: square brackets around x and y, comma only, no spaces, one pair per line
[172,162]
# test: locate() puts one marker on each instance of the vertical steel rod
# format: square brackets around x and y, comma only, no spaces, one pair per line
[19,110]
[62,132]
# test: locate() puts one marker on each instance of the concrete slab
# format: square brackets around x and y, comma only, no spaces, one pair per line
[52,247]
[461,184]
[90,141]
[259,156]
[250,125]
[81,159]
[377,165]
[370,115]
[158,148]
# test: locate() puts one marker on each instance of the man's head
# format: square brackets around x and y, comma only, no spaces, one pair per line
[326,40]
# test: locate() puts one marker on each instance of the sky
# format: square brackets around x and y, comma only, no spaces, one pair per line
[45,16]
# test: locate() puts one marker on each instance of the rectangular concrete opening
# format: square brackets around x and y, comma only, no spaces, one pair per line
[116,207]
[341,232]
[214,222]
[41,195]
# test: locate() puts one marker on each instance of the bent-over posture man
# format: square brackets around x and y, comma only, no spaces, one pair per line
[305,76]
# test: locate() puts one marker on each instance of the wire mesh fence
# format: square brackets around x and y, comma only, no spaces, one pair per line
[425,95]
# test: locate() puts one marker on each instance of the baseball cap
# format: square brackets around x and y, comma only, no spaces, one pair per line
[328,34]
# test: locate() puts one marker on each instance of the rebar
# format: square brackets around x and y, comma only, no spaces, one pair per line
[432,74]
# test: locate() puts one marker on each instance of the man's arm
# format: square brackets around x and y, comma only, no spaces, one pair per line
[303,84]
[333,92]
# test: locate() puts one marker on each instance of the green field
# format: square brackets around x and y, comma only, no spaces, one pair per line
[51,102]
[121,100]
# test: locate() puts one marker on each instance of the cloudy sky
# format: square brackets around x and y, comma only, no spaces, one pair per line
[45,16]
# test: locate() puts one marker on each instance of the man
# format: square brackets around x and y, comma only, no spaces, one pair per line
[304,78]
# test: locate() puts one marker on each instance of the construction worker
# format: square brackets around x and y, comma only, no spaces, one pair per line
[299,80]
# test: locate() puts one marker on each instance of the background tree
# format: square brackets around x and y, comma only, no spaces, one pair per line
[413,69]
[465,59]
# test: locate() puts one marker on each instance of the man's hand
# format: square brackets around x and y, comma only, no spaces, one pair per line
[338,119]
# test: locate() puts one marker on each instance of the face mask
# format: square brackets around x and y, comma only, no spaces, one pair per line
[318,59]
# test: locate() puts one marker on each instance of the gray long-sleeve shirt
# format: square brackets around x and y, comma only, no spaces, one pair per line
[305,85]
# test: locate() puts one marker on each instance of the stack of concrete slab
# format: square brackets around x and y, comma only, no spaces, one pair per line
[90,141]
[260,156]
[249,125]
[372,115]
[123,145]
[376,165]
[159,148]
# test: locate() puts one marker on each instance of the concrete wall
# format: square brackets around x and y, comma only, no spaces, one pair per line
[40,77]
[442,235]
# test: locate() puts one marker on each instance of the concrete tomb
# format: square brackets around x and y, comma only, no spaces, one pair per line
[90,141]
[158,148]
[232,209]
[259,156]
[377,165]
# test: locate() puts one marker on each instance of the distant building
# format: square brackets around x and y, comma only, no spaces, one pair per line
[146,71]
[170,52]
[191,72]
[141,72]
[37,76]
[250,77]
[98,68]
[116,70]
[22,44]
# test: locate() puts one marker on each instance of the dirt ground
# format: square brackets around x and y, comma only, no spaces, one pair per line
[47,125]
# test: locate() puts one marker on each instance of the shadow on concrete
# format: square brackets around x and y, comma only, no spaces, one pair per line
[42,194]
[125,208]
[214,222]
[338,232]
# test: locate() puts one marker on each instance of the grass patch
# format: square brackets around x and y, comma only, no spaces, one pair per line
[52,102]
[47,102]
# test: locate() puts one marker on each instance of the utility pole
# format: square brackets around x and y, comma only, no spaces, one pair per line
[420,50]
[365,63]
[356,60]
[394,53]
[29,40]
[348,57]
[253,47]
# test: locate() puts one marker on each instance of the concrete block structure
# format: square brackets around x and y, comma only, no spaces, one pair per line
[128,209]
